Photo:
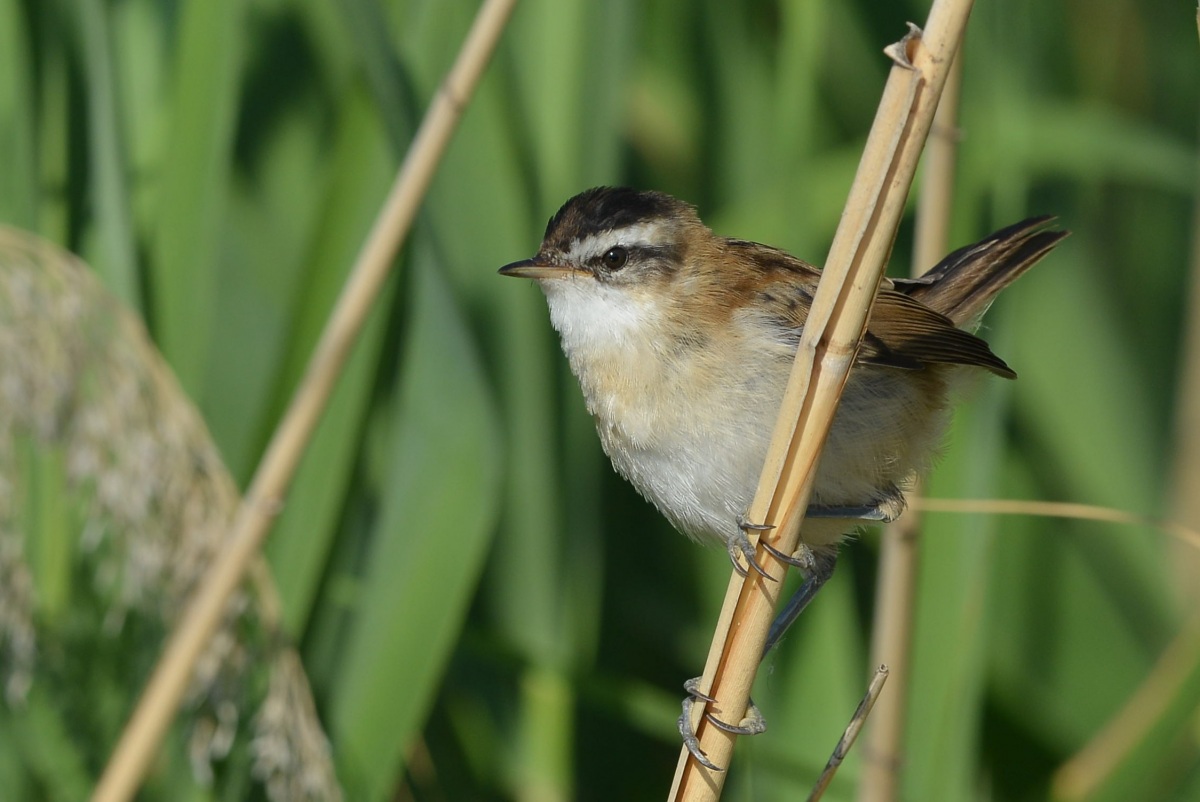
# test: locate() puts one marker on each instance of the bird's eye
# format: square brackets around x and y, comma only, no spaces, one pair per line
[615,258]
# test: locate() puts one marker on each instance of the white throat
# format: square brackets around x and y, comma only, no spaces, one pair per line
[595,319]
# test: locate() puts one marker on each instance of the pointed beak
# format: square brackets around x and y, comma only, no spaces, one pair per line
[538,269]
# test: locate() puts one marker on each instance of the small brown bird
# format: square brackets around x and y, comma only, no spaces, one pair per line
[683,341]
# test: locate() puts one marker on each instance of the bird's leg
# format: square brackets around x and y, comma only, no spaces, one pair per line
[884,509]
[821,569]
[866,512]
[818,568]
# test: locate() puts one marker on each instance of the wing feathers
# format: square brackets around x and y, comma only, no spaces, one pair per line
[915,322]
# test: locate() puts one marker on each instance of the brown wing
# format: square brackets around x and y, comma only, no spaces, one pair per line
[902,332]
[921,318]
[905,333]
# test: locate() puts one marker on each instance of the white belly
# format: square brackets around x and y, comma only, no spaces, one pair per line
[703,477]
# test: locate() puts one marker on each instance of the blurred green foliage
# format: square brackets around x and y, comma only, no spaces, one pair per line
[484,610]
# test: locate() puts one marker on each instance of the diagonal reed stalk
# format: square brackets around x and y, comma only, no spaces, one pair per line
[895,593]
[825,355]
[857,721]
[161,697]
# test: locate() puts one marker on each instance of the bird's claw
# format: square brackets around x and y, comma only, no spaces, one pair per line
[803,558]
[690,741]
[752,723]
[747,526]
[740,547]
[692,687]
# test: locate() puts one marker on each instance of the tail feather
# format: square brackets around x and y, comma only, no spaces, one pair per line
[963,285]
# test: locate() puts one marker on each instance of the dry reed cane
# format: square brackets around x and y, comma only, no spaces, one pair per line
[830,339]
[857,721]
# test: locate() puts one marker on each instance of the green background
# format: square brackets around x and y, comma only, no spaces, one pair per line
[484,610]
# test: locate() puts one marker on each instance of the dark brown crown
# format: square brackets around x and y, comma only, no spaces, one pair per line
[607,208]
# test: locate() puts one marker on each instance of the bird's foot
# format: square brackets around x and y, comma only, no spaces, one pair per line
[884,509]
[741,548]
[752,723]
[802,558]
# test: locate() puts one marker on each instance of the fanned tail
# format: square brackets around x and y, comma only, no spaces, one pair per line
[963,285]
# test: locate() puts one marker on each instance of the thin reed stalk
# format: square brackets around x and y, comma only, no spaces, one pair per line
[857,721]
[160,700]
